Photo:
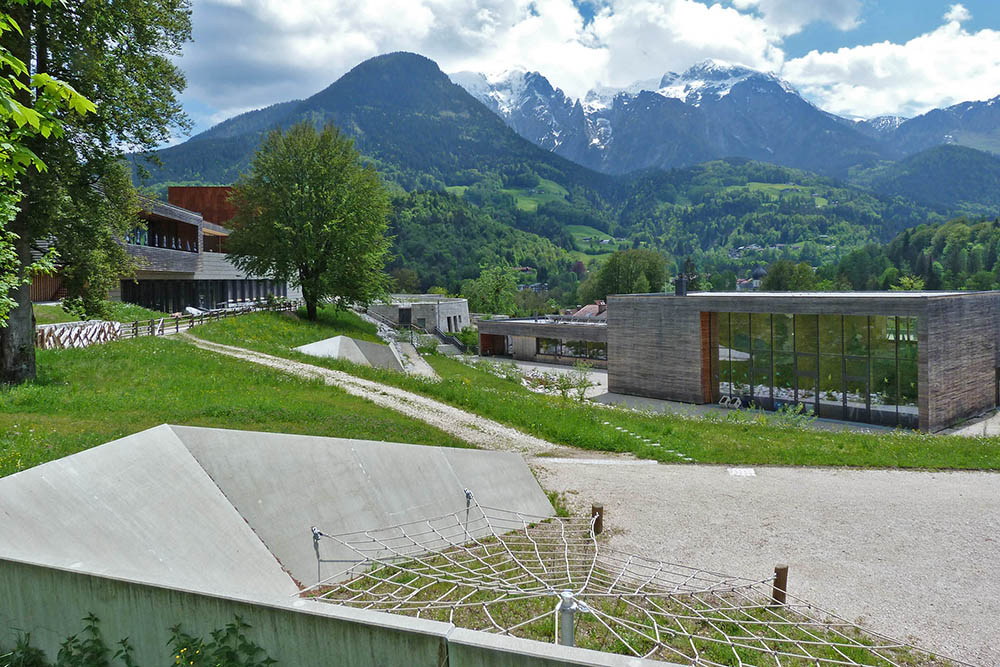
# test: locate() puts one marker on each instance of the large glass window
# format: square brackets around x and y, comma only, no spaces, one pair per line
[856,367]
[740,355]
[783,328]
[597,351]
[760,343]
[547,346]
[725,343]
[574,348]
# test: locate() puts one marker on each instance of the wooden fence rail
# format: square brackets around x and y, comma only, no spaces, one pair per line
[94,332]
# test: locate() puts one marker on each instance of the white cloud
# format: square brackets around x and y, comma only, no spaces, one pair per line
[252,53]
[958,13]
[942,67]
[790,16]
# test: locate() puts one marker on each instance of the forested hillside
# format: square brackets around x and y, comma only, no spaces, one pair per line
[959,178]
[445,240]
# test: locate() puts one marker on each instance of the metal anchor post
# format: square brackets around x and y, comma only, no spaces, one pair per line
[567,608]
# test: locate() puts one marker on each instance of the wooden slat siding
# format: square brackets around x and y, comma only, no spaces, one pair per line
[211,201]
[957,355]
[44,287]
[654,348]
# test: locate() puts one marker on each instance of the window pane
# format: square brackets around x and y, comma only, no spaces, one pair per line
[741,332]
[740,354]
[831,335]
[805,333]
[856,382]
[760,329]
[907,338]
[598,351]
[548,346]
[725,341]
[784,341]
[807,389]
[883,336]
[908,383]
[574,348]
[784,377]
[831,386]
[883,383]
[856,335]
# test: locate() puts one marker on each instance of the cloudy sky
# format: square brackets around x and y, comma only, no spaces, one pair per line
[853,57]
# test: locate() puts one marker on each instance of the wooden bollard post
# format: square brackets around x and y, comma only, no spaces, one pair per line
[780,584]
[597,514]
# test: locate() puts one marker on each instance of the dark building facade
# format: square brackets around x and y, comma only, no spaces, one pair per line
[915,359]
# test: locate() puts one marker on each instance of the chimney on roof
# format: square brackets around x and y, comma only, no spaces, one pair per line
[681,285]
[601,306]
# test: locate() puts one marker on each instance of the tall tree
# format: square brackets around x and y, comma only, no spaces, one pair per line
[493,291]
[310,212]
[118,54]
[624,272]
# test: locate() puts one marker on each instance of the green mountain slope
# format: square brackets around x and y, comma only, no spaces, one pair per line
[421,130]
[955,177]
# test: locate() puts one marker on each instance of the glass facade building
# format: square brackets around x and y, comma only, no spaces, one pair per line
[851,367]
[576,349]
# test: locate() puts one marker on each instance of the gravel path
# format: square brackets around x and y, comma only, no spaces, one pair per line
[479,431]
[901,552]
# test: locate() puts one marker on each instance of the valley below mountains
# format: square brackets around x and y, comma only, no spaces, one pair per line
[723,164]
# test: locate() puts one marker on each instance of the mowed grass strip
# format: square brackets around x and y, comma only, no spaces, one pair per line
[120,312]
[737,438]
[87,397]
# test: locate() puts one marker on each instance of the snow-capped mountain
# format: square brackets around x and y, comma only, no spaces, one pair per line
[972,124]
[712,110]
[530,106]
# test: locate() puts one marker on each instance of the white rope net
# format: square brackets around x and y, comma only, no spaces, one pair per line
[501,571]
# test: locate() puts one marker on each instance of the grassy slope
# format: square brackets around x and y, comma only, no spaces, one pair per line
[84,398]
[737,438]
[529,199]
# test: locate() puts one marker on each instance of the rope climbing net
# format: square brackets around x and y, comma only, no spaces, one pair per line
[549,579]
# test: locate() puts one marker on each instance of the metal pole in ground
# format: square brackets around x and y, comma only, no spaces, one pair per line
[567,608]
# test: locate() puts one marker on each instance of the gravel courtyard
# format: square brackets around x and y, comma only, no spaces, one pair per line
[912,554]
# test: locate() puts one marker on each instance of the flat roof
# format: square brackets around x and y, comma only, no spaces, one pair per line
[547,320]
[811,295]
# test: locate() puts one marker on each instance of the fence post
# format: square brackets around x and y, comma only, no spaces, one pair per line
[152,325]
[177,324]
[780,584]
[597,514]
[135,329]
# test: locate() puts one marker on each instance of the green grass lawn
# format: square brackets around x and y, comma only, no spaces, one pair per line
[85,397]
[529,199]
[733,438]
[120,312]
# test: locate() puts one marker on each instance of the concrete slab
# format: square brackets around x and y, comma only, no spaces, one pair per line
[285,484]
[356,351]
[142,508]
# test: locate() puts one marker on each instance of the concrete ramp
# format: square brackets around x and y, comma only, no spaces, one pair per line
[230,512]
[356,351]
[139,508]
[285,484]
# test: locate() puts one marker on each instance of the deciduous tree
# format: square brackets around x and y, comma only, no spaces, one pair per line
[311,213]
[120,55]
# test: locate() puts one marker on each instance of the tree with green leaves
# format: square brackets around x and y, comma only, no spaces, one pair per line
[493,291]
[28,108]
[785,275]
[310,212]
[626,272]
[121,55]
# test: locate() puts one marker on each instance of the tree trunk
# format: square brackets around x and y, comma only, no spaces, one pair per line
[311,309]
[17,339]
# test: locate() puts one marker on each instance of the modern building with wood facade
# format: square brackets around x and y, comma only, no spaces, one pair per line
[922,360]
[181,257]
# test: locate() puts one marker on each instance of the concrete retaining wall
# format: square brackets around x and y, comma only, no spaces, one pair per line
[50,603]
